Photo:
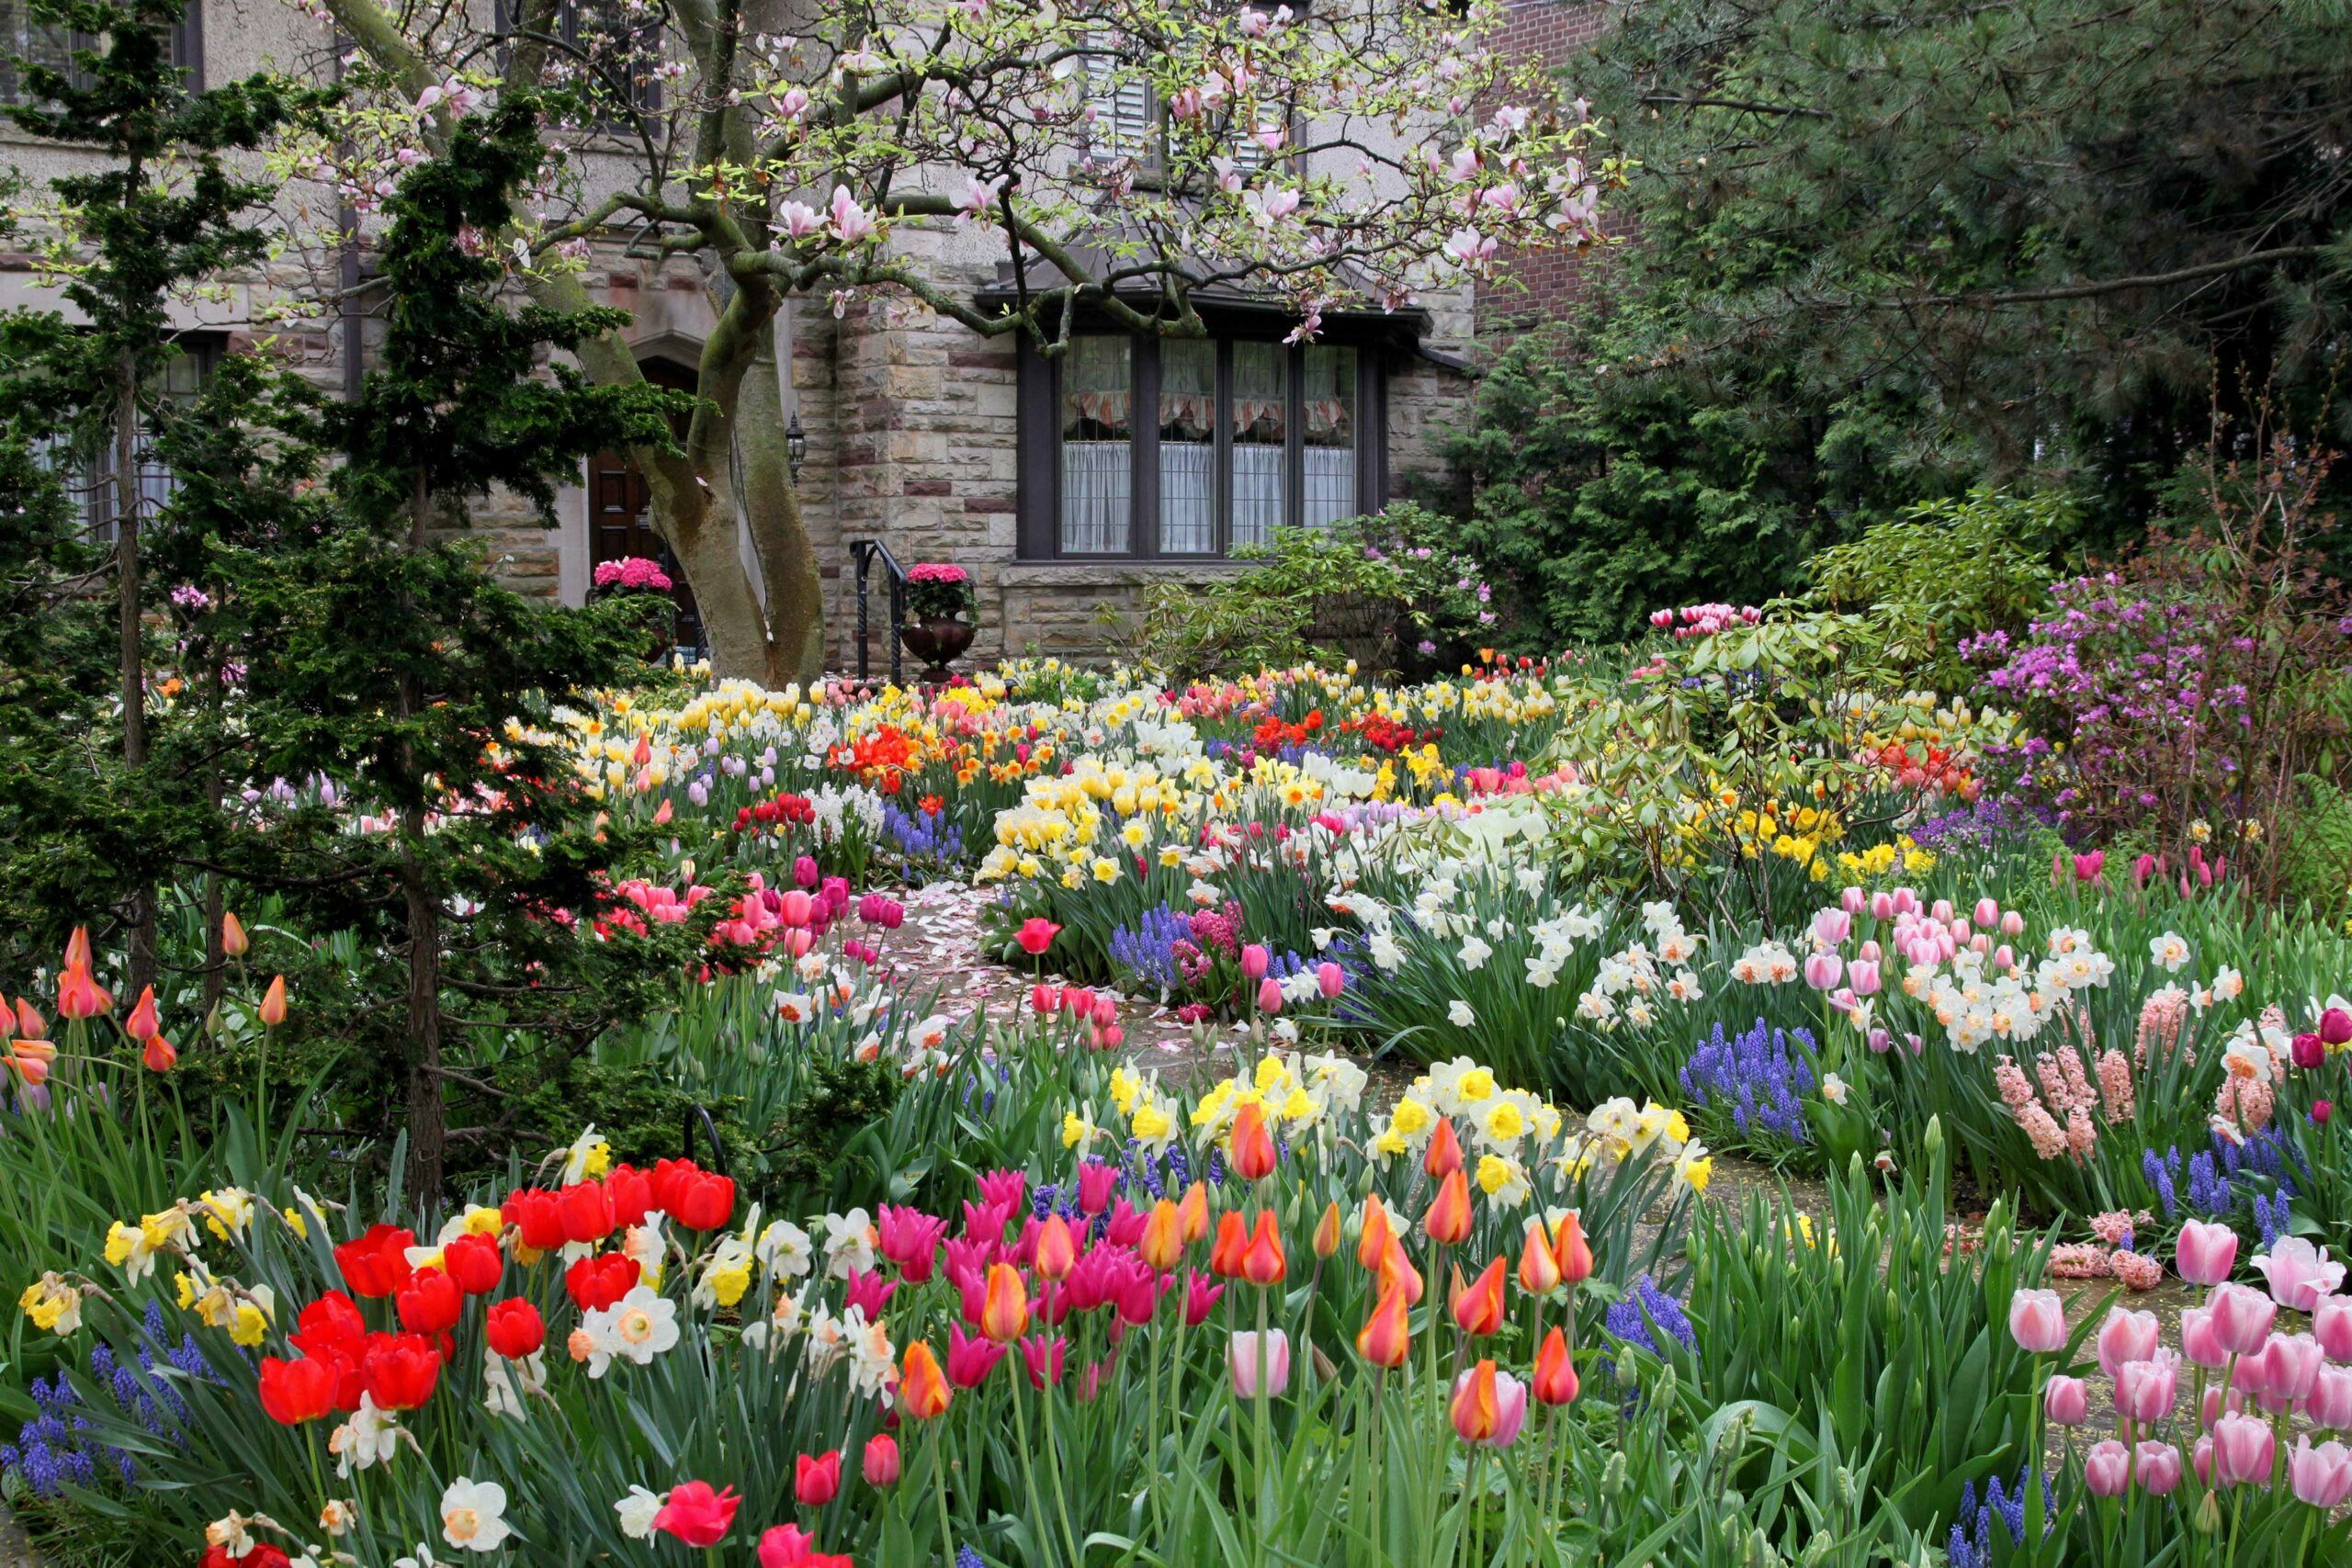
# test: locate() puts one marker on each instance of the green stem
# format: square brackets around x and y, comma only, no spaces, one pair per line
[1045,1397]
[939,1492]
[1028,1455]
[1265,1491]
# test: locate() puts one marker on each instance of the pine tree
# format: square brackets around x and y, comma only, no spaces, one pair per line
[162,212]
[377,650]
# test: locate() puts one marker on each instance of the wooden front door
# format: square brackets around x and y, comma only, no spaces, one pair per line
[619,521]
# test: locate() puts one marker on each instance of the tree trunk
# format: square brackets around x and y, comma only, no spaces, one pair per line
[140,914]
[427,1134]
[796,594]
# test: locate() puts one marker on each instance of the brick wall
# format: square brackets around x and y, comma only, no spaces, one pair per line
[1531,287]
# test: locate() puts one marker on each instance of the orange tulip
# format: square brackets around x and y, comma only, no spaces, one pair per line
[1476,1409]
[1232,1241]
[1479,1308]
[1373,1246]
[1386,1337]
[159,1054]
[1444,1154]
[1396,1272]
[1327,1231]
[1004,1312]
[1539,1272]
[233,940]
[924,1393]
[1162,1242]
[77,949]
[78,996]
[1250,1145]
[273,1002]
[1448,1220]
[1555,1372]
[144,1020]
[1263,1263]
[1571,1251]
[1057,1253]
[30,1025]
[1193,1209]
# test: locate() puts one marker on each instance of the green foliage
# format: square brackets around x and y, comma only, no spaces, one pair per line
[1614,475]
[2043,237]
[1942,571]
[2315,851]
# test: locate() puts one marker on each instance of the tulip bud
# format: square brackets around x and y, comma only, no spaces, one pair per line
[1327,1231]
[233,940]
[272,1003]
[881,1464]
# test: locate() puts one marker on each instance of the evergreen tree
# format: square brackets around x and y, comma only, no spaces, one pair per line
[376,651]
[163,212]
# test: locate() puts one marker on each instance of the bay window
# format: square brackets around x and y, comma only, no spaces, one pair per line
[1145,447]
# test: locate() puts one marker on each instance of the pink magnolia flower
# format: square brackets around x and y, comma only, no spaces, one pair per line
[852,223]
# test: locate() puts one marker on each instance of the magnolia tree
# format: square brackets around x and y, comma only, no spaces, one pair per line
[1122,155]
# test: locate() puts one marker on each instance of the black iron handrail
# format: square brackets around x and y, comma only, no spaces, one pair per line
[710,1128]
[864,551]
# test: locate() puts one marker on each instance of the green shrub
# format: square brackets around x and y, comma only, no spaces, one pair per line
[1942,571]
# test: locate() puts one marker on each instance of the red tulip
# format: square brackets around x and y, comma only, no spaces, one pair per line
[430,1302]
[696,1515]
[296,1391]
[597,1281]
[706,1201]
[1035,935]
[514,1328]
[788,1546]
[586,1211]
[1387,1338]
[400,1370]
[631,1192]
[159,1054]
[1448,1219]
[1444,1156]
[537,1217]
[1262,1262]
[880,1463]
[817,1482]
[1232,1241]
[1572,1251]
[376,1264]
[474,1262]
[1555,1372]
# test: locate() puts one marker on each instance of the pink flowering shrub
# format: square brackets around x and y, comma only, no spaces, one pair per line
[632,574]
[938,590]
[1704,620]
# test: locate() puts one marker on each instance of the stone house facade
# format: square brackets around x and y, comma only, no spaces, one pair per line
[1050,482]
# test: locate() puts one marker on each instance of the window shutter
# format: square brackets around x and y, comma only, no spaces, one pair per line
[1125,125]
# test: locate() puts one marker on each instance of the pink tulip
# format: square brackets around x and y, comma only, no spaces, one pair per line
[2156,1466]
[2003,958]
[2037,1321]
[1832,927]
[2144,1391]
[1906,901]
[2107,1469]
[1254,959]
[2012,923]
[2125,1336]
[1329,979]
[1863,975]
[2335,1027]
[1881,905]
[2066,1401]
[2207,1253]
[2321,1476]
[2332,1325]
[1854,900]
[1242,1359]
[2330,1402]
[1821,970]
[794,908]
[2299,1273]
[2220,1401]
[2199,1342]
[2087,867]
[2241,1318]
[1989,913]
[1872,952]
[2291,1364]
[2202,1460]
[2243,1449]
[1270,995]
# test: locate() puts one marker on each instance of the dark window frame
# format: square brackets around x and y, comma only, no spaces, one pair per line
[645,96]
[187,49]
[1040,460]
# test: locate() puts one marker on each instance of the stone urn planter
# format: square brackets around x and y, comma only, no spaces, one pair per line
[939,627]
[938,643]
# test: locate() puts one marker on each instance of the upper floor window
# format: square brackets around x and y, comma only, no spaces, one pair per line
[23,36]
[1151,447]
[609,48]
[89,469]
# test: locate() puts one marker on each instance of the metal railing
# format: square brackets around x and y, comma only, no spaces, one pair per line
[864,552]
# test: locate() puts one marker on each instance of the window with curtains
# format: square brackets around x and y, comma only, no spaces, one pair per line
[25,37]
[89,467]
[1148,448]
